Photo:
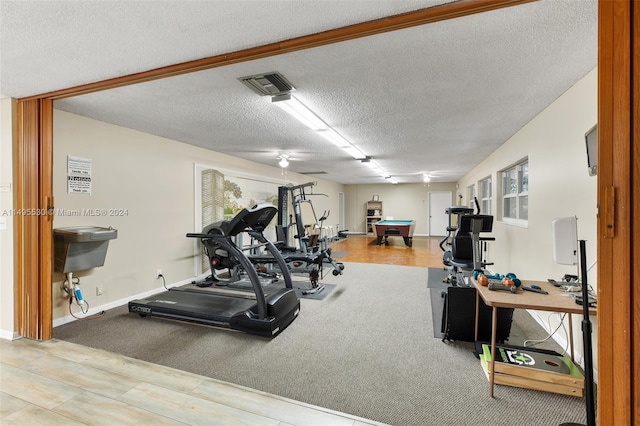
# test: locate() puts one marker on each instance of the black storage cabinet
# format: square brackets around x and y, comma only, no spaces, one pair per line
[459,317]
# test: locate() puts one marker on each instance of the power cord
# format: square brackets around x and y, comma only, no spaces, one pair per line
[561,324]
[164,283]
[92,317]
[83,303]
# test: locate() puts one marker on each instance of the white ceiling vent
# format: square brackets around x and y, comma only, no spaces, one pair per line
[268,84]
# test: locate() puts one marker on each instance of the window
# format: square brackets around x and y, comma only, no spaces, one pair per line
[485,195]
[515,190]
[471,194]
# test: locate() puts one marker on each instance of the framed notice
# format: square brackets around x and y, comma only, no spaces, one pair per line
[376,198]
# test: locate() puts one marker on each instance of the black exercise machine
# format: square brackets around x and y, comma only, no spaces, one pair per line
[467,246]
[446,242]
[234,275]
[465,256]
[255,311]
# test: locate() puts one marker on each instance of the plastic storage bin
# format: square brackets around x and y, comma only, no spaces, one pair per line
[81,247]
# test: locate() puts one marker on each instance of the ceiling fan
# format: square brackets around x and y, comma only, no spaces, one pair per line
[284,159]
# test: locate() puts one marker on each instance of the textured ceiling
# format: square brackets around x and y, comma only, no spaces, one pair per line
[436,98]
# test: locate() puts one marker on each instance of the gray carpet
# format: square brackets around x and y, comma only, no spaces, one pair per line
[367,349]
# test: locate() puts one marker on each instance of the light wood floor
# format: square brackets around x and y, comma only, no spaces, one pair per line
[57,382]
[61,383]
[425,251]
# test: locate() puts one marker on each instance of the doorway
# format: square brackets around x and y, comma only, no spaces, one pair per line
[439,202]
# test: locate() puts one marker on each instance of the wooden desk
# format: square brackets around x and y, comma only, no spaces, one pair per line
[555,301]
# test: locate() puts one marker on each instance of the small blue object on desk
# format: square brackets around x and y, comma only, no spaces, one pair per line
[534,288]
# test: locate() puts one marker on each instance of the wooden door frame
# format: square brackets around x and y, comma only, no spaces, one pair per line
[618,180]
[33,227]
[618,238]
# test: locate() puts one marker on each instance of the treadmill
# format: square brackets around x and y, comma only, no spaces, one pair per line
[253,311]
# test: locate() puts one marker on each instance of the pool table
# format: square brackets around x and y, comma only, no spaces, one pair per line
[400,228]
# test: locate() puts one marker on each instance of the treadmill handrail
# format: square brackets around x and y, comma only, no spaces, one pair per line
[261,301]
[211,236]
[226,243]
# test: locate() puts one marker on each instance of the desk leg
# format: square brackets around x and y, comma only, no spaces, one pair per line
[571,338]
[494,328]
[477,314]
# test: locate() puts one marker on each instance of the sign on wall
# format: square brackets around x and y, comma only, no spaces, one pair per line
[78,175]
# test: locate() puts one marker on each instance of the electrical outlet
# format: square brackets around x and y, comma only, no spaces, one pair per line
[159,273]
[99,290]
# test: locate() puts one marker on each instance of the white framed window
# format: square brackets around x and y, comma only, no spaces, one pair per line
[485,195]
[515,193]
[471,194]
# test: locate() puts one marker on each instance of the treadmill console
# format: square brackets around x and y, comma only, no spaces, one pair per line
[256,218]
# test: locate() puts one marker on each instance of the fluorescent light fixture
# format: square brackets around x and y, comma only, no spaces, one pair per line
[375,167]
[354,152]
[334,137]
[297,109]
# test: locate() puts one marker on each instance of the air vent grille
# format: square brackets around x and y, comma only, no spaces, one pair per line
[268,84]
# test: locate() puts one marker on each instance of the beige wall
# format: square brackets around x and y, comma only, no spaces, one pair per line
[7,130]
[402,201]
[152,179]
[559,186]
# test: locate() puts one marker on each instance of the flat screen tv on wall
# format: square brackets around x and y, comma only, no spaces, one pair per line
[591,139]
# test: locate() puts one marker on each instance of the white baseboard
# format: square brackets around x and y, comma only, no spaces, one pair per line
[98,309]
[9,335]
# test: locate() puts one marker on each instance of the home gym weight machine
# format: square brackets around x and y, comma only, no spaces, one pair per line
[312,251]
